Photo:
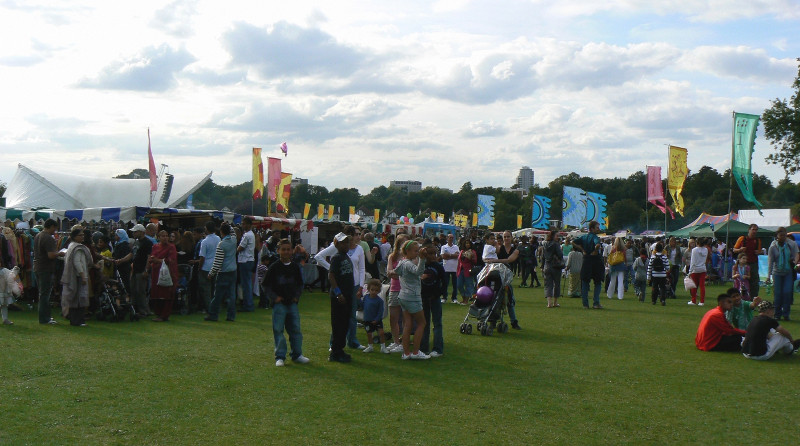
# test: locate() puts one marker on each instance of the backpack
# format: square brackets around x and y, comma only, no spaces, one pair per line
[658,264]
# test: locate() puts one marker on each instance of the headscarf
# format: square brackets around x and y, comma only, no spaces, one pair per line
[122,234]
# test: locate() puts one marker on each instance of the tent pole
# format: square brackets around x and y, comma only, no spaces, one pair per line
[730,192]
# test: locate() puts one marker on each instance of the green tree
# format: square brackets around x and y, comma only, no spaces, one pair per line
[782,129]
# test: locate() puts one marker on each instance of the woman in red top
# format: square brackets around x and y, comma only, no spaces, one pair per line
[163,253]
[466,261]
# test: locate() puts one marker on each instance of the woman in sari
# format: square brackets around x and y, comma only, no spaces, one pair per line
[75,292]
[163,253]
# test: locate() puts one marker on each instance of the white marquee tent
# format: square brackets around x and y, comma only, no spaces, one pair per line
[43,188]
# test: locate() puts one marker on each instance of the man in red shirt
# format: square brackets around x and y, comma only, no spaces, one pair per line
[750,245]
[715,333]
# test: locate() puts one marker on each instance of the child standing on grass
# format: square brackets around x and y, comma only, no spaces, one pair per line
[373,315]
[9,289]
[284,280]
[433,279]
[640,275]
[393,301]
[741,276]
[342,283]
[657,274]
[410,270]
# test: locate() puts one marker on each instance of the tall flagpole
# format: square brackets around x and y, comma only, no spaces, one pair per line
[646,214]
[666,183]
[730,192]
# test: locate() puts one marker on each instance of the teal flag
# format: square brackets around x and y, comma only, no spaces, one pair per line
[485,210]
[744,136]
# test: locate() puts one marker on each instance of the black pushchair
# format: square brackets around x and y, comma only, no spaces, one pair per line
[489,314]
[182,289]
[114,303]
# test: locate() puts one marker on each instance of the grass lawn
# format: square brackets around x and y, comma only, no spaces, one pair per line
[627,374]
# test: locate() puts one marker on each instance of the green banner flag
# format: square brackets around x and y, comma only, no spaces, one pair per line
[744,136]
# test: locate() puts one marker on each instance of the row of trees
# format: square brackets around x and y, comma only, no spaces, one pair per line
[704,191]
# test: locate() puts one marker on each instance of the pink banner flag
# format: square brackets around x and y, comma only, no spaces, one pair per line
[273,176]
[655,190]
[152,166]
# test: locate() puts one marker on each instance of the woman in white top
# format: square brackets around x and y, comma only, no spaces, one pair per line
[697,271]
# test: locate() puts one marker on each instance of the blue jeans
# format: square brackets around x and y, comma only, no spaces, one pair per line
[432,309]
[288,317]
[510,304]
[45,284]
[225,287]
[246,282]
[783,284]
[466,285]
[598,286]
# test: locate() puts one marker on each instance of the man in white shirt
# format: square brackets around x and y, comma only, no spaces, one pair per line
[208,247]
[449,253]
[245,259]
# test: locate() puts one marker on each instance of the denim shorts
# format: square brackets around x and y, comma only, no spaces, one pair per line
[412,306]
[393,299]
[371,327]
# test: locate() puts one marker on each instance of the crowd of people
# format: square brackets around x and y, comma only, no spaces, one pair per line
[234,265]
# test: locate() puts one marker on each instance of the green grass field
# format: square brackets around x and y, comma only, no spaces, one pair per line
[628,374]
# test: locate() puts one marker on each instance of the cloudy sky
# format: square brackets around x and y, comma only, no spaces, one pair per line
[363,92]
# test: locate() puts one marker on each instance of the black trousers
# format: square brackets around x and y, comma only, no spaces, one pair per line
[729,343]
[340,321]
[659,289]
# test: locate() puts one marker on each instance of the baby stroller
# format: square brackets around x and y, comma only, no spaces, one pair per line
[113,303]
[489,310]
[182,289]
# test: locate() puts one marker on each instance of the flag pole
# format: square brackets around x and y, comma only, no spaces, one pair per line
[730,192]
[666,188]
[646,214]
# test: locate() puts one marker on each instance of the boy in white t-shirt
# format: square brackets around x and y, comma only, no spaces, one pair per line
[489,247]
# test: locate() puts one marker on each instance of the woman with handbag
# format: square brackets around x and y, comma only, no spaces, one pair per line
[617,268]
[163,276]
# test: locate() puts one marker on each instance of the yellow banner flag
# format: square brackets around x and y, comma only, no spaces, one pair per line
[352,210]
[320,211]
[460,220]
[433,216]
[330,212]
[258,174]
[519,221]
[306,210]
[377,215]
[474,219]
[282,193]
[676,176]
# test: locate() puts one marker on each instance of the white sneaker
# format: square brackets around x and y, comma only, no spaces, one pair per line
[700,304]
[301,360]
[368,349]
[420,355]
[690,303]
[7,322]
[397,348]
[405,356]
[52,321]
[384,349]
[442,300]
[279,363]
[391,346]
[435,354]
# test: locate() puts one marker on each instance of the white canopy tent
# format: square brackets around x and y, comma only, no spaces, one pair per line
[772,218]
[44,188]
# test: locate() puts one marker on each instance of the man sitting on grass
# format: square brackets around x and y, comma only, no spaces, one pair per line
[765,336]
[741,313]
[715,333]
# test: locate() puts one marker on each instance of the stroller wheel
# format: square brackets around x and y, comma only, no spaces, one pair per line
[489,331]
[469,329]
[502,327]
[480,326]
[483,330]
[463,328]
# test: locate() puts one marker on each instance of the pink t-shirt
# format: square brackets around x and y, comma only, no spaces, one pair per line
[394,284]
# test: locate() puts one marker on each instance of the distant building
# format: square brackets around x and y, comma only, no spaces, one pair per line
[406,185]
[298,181]
[525,179]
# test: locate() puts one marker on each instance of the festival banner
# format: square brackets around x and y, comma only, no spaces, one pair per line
[330,212]
[306,210]
[273,177]
[433,216]
[151,165]
[540,212]
[258,174]
[655,190]
[320,211]
[351,212]
[519,221]
[595,205]
[283,192]
[573,211]
[460,220]
[485,210]
[744,137]
[676,176]
[474,219]
[376,217]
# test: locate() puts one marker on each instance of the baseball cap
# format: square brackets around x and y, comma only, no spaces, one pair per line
[765,305]
[137,228]
[340,237]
